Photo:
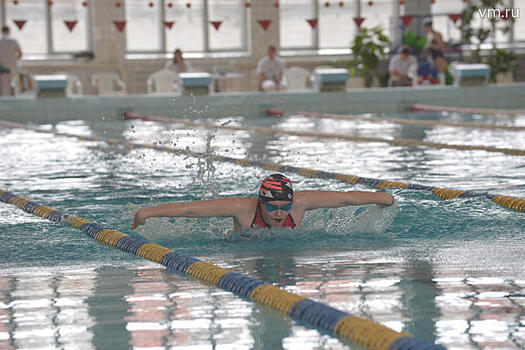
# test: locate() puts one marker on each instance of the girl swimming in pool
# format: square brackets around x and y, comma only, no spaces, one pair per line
[276,205]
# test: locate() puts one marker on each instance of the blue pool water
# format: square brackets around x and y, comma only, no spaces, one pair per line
[449,272]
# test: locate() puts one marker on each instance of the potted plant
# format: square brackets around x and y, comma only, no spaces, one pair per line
[501,61]
[368,47]
[502,66]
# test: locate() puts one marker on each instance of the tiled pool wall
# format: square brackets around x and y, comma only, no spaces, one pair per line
[379,100]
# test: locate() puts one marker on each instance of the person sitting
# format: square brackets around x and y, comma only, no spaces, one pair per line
[276,206]
[435,49]
[402,68]
[177,65]
[270,69]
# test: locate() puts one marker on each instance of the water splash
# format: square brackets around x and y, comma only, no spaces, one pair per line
[203,183]
[317,224]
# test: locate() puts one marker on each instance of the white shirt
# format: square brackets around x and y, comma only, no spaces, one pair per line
[9,53]
[177,68]
[272,69]
[399,66]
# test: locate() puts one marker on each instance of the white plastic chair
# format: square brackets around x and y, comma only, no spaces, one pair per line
[161,81]
[74,84]
[296,78]
[108,83]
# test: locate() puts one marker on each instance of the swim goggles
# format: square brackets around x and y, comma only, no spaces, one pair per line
[272,207]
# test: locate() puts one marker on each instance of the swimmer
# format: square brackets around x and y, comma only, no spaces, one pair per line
[276,205]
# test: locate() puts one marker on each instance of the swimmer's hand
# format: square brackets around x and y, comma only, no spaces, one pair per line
[139,219]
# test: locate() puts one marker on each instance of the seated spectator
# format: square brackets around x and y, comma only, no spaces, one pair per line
[270,70]
[402,68]
[177,65]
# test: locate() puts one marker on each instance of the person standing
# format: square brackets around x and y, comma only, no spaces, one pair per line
[10,53]
[435,49]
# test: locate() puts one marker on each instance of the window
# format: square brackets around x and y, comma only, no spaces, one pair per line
[294,30]
[335,28]
[519,23]
[229,13]
[192,26]
[66,14]
[27,21]
[187,32]
[441,21]
[142,25]
[42,27]
[336,25]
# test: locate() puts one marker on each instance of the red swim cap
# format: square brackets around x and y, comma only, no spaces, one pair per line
[276,187]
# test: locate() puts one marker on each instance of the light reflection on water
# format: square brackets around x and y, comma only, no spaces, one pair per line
[448,272]
[149,307]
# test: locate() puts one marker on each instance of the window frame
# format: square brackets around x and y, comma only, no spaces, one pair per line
[315,32]
[48,17]
[359,3]
[206,34]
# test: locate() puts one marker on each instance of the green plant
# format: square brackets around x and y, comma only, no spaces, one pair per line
[487,27]
[415,42]
[501,61]
[368,47]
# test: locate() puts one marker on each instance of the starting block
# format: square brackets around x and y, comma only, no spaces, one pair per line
[195,83]
[330,79]
[50,85]
[469,74]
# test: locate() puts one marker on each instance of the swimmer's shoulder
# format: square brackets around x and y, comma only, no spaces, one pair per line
[244,209]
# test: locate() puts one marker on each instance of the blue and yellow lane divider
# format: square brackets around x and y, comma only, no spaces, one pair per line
[355,329]
[442,193]
[351,138]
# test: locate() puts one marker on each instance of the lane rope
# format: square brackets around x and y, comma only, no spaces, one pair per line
[269,131]
[357,330]
[426,123]
[437,109]
[442,193]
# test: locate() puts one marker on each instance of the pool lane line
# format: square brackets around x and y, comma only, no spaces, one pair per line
[442,193]
[270,131]
[436,109]
[425,123]
[357,330]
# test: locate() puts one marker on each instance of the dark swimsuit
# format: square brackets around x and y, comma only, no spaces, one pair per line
[258,221]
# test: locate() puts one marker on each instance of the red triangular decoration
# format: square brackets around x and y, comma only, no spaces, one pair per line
[20,23]
[312,22]
[169,24]
[454,16]
[120,25]
[264,23]
[358,21]
[406,20]
[70,25]
[216,24]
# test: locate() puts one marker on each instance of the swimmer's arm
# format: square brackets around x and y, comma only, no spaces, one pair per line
[225,207]
[334,199]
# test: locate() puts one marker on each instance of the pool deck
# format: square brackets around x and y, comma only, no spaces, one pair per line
[376,100]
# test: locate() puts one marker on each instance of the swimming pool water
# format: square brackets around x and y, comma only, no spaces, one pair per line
[449,272]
